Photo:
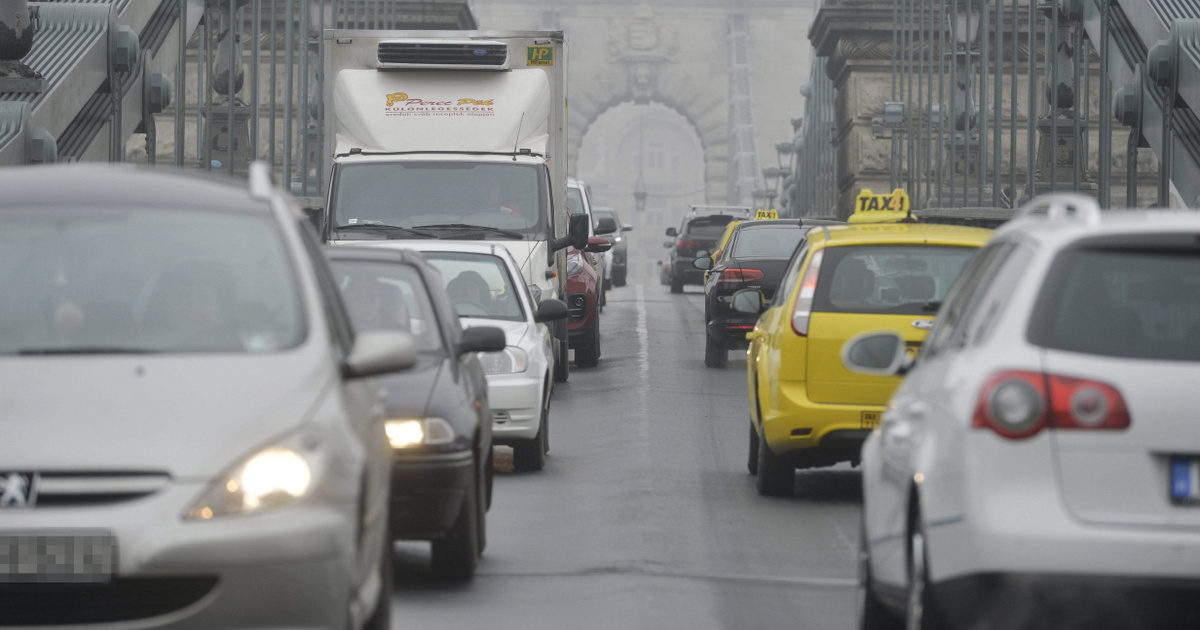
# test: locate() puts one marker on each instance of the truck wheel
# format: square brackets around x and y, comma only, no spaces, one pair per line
[587,355]
[776,478]
[716,355]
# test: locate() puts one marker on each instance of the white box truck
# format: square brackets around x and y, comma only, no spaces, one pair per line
[455,135]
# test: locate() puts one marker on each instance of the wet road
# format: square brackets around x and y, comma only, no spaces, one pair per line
[645,516]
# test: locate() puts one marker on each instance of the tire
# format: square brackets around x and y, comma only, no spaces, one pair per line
[870,613]
[619,278]
[481,510]
[752,461]
[776,478]
[562,367]
[676,285]
[530,455]
[490,474]
[456,556]
[381,618]
[921,611]
[716,355]
[587,355]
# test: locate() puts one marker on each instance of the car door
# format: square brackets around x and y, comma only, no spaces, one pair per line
[768,336]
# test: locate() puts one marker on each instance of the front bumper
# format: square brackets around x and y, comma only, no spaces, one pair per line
[810,434]
[427,493]
[516,402]
[291,567]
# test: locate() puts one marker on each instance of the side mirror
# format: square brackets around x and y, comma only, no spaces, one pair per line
[597,245]
[672,232]
[628,227]
[482,339]
[703,262]
[668,244]
[379,352]
[577,233]
[550,310]
[606,226]
[748,301]
[876,354]
[316,218]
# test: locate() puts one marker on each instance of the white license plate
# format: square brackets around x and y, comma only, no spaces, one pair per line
[55,557]
[1185,480]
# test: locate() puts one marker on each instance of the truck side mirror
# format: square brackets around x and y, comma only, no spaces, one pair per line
[577,233]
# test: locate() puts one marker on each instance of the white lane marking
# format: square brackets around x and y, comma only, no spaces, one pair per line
[643,335]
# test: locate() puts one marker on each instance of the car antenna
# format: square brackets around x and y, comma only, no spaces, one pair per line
[517,140]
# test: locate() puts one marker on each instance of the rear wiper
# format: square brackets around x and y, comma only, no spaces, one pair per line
[383,227]
[83,350]
[468,226]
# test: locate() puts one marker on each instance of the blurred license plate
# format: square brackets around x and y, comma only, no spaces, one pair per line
[71,557]
[1185,480]
[870,419]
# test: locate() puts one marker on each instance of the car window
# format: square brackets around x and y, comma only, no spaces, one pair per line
[707,227]
[1140,301]
[775,241]
[972,282]
[145,280]
[895,279]
[574,201]
[388,296]
[479,285]
[340,329]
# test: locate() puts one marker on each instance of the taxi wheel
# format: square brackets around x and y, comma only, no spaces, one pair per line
[776,478]
[752,463]
[716,355]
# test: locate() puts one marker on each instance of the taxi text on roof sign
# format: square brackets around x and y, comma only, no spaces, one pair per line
[872,208]
[540,56]
[766,214]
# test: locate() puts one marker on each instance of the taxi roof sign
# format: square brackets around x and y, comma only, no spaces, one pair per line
[766,214]
[872,208]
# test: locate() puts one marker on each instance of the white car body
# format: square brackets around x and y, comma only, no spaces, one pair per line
[605,259]
[1006,521]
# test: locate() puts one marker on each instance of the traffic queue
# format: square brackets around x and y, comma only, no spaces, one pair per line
[1011,396]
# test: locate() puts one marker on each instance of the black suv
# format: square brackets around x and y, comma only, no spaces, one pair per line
[700,231]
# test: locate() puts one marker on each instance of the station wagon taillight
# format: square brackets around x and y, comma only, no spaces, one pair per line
[1017,404]
[687,243]
[733,277]
[802,309]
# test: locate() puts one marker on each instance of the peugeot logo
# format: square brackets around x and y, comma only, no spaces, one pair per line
[18,489]
[923,324]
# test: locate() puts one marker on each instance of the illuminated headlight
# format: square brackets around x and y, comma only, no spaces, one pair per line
[511,360]
[405,433]
[574,265]
[269,479]
[617,239]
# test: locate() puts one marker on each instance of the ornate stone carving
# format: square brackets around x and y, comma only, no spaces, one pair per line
[642,39]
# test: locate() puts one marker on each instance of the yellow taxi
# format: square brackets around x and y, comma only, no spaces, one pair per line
[721,243]
[806,409]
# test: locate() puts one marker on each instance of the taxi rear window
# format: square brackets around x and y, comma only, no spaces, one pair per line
[1123,301]
[888,279]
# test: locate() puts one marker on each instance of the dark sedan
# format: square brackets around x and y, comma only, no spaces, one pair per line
[755,258]
[439,423]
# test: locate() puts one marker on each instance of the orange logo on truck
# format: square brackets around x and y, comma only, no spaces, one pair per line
[396,97]
[471,101]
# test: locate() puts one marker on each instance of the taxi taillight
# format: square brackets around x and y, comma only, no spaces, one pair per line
[802,309]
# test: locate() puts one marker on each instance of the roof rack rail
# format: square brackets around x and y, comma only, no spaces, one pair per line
[1063,206]
[261,184]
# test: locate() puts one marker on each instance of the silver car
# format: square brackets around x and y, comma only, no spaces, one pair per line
[1038,466]
[190,435]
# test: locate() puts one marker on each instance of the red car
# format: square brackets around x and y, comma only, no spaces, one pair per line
[583,290]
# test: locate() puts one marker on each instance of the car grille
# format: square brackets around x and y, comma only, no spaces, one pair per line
[120,600]
[577,306]
[500,417]
[92,488]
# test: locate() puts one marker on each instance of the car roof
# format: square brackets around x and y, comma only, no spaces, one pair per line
[1059,231]
[801,223]
[374,254]
[105,185]
[899,233]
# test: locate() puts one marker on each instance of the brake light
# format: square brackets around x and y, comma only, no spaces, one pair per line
[802,309]
[1018,404]
[687,243]
[734,277]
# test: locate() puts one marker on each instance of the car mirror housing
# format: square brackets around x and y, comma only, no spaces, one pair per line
[482,339]
[577,233]
[597,245]
[606,226]
[668,244]
[748,301]
[879,353]
[378,352]
[703,262]
[672,232]
[550,310]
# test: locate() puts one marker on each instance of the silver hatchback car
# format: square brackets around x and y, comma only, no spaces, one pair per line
[189,437]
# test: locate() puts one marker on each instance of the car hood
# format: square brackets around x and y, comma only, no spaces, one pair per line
[189,416]
[514,332]
[408,393]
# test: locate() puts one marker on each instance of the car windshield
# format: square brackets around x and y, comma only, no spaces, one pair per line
[478,285]
[899,279]
[95,281]
[419,195]
[1122,302]
[388,296]
[776,241]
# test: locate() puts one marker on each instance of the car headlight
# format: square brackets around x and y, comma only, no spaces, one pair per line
[405,433]
[511,360]
[269,479]
[574,265]
[617,239]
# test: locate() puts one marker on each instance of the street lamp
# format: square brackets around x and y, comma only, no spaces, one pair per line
[786,152]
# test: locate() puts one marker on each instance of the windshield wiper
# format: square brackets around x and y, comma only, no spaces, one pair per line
[83,350]
[468,226]
[383,227]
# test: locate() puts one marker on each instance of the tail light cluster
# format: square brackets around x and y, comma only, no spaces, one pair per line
[1017,404]
[804,297]
[686,243]
[734,277]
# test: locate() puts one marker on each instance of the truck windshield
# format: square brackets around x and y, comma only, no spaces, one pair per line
[446,199]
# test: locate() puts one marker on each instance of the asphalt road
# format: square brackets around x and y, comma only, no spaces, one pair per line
[645,516]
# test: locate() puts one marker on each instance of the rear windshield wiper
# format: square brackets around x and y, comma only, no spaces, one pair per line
[468,226]
[382,227]
[83,350]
